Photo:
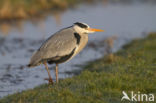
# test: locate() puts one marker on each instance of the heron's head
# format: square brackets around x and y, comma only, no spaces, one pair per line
[83,28]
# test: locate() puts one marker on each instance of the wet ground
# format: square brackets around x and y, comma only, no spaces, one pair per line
[124,22]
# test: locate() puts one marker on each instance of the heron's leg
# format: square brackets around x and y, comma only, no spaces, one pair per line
[56,72]
[50,78]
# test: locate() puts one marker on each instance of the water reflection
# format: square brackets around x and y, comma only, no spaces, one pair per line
[57,16]
[5,28]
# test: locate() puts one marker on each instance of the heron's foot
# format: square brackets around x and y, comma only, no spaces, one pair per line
[50,80]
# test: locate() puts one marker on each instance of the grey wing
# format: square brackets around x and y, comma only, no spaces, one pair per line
[60,44]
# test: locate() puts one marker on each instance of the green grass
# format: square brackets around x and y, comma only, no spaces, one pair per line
[102,81]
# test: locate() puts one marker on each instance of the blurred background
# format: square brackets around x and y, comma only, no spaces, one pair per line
[25,24]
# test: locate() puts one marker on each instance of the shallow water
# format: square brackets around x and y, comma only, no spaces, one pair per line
[125,22]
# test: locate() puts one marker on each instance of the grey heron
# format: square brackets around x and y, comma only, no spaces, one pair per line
[62,46]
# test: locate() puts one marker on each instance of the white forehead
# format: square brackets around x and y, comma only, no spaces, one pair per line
[81,28]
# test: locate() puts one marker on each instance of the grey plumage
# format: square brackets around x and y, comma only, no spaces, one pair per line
[60,44]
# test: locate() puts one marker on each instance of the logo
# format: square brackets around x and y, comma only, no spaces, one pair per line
[137,97]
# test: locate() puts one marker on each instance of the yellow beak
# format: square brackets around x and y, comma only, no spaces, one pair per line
[95,30]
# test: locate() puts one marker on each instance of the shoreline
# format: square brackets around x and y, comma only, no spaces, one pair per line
[108,75]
